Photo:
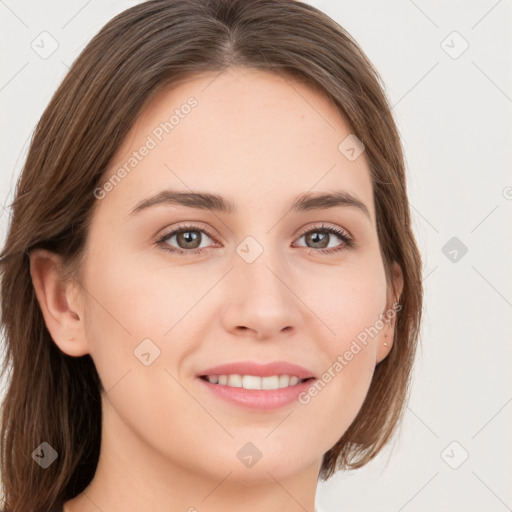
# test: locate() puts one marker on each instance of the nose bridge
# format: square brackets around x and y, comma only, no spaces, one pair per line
[259,296]
[258,266]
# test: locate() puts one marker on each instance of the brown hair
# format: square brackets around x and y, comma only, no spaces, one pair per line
[55,398]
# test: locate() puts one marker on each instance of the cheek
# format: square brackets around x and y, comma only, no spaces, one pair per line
[348,301]
[132,305]
[134,300]
[123,308]
[333,402]
[350,305]
[335,399]
[135,308]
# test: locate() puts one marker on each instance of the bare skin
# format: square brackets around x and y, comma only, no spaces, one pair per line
[259,140]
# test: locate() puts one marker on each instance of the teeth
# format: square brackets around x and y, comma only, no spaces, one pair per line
[251,382]
[270,382]
[235,381]
[254,382]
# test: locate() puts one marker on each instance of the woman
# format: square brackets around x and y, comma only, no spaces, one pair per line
[211,292]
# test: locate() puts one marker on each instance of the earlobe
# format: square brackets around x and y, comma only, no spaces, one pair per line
[392,310]
[58,300]
[385,341]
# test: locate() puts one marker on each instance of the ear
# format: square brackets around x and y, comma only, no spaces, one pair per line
[59,297]
[390,313]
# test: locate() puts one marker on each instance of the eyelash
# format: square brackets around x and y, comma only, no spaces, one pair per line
[348,242]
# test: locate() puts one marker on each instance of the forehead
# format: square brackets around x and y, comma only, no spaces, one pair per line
[254,137]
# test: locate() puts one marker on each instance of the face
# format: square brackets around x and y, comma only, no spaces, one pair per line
[257,281]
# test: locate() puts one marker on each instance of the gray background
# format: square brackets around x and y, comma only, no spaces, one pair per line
[453,109]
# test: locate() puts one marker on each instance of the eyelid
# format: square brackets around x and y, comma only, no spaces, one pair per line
[190,226]
[193,225]
[322,226]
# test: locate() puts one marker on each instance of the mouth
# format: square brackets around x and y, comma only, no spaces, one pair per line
[269,383]
[256,393]
[260,387]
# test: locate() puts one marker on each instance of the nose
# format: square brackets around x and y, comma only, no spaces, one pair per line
[260,301]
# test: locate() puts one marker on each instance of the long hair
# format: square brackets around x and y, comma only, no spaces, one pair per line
[54,398]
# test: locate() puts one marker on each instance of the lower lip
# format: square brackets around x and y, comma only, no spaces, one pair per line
[259,399]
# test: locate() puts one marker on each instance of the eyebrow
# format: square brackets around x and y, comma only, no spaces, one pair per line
[206,201]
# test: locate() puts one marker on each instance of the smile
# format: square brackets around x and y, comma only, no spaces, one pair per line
[271,382]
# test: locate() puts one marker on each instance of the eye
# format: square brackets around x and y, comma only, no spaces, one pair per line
[323,244]
[190,238]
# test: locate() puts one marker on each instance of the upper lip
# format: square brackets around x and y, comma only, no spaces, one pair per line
[256,369]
